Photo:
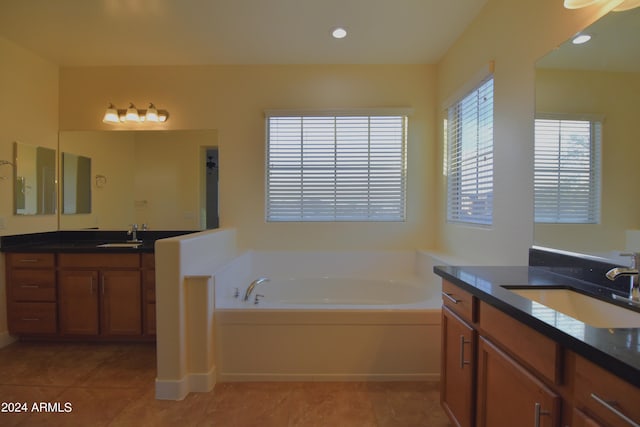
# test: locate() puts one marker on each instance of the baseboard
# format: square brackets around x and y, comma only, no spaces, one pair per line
[179,389]
[305,377]
[202,382]
[172,389]
[6,339]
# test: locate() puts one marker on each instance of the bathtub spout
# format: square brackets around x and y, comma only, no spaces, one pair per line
[251,287]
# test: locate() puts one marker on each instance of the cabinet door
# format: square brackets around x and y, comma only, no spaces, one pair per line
[78,299]
[580,419]
[508,395]
[121,292]
[458,367]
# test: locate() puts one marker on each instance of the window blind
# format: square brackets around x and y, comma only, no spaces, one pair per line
[336,168]
[470,157]
[567,171]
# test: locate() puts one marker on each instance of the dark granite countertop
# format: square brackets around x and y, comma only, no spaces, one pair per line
[83,241]
[616,349]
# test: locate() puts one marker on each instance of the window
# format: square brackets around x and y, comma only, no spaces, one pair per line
[469,145]
[567,170]
[336,167]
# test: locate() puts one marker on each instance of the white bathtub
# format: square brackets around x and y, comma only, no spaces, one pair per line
[375,318]
[334,293]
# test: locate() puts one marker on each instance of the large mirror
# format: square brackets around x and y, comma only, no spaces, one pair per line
[75,183]
[600,81]
[164,179]
[35,180]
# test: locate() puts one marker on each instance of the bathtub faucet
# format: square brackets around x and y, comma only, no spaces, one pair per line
[252,286]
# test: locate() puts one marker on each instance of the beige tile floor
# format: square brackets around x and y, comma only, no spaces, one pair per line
[113,385]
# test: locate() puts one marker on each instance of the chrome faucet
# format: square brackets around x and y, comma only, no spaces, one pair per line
[632,271]
[133,232]
[252,286]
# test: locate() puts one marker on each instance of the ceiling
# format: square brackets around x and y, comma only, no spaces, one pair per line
[190,32]
[614,46]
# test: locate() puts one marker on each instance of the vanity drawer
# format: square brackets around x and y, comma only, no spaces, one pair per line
[32,285]
[459,301]
[99,260]
[30,260]
[601,394]
[32,318]
[531,347]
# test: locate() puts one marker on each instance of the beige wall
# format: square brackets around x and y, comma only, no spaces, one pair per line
[232,99]
[29,114]
[614,95]
[514,34]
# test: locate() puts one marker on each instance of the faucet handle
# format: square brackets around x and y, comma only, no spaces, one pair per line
[635,258]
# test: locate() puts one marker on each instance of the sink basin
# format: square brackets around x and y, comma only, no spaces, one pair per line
[120,245]
[592,311]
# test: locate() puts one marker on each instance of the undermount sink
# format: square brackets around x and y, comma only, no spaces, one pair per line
[120,245]
[592,311]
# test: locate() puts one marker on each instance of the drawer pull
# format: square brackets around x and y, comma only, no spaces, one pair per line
[28,260]
[30,319]
[462,361]
[609,406]
[30,286]
[538,412]
[451,298]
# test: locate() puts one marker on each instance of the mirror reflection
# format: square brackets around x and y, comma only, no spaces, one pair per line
[35,180]
[158,178]
[598,81]
[75,184]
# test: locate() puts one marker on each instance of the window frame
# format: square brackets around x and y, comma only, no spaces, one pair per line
[461,189]
[338,203]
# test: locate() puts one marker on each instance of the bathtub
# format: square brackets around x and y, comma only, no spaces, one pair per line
[376,317]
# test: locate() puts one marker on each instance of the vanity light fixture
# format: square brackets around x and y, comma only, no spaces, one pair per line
[619,5]
[114,115]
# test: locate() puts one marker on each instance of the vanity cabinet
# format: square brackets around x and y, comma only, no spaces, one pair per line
[457,377]
[31,293]
[458,369]
[510,395]
[601,396]
[100,294]
[497,371]
[149,293]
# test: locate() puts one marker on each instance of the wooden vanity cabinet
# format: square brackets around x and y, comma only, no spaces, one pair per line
[601,396]
[522,377]
[149,293]
[100,294]
[31,293]
[457,379]
[510,395]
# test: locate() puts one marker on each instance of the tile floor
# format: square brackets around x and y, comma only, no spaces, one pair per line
[113,385]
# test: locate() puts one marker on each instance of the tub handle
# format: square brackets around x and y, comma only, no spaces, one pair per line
[451,298]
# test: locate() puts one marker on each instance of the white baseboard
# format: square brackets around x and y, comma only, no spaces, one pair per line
[6,339]
[262,377]
[203,383]
[179,389]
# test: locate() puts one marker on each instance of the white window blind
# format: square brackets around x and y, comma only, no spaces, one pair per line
[567,170]
[336,168]
[470,157]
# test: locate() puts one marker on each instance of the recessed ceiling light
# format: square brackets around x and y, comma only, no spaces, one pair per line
[581,38]
[339,33]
